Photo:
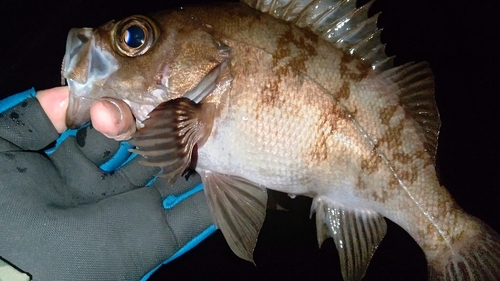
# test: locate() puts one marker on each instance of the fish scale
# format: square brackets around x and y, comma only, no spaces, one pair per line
[296,96]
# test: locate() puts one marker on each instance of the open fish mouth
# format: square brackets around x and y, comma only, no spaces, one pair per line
[86,67]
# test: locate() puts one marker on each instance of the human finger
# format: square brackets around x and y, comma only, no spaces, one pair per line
[55,104]
[113,118]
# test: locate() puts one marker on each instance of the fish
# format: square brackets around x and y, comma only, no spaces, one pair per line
[293,96]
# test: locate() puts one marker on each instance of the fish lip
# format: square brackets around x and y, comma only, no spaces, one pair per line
[86,67]
[78,112]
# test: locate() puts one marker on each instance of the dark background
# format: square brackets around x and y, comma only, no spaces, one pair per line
[459,40]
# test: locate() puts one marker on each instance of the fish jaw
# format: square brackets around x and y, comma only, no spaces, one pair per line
[86,67]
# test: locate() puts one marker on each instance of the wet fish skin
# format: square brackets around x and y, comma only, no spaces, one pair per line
[369,158]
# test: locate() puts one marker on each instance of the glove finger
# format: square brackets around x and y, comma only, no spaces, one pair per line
[101,150]
[86,182]
[190,221]
[104,152]
[89,161]
[181,185]
[24,123]
[186,212]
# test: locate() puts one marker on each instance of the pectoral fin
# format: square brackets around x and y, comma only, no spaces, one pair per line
[238,209]
[356,233]
[170,134]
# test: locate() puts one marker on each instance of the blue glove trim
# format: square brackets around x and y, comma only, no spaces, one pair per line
[61,138]
[16,99]
[152,181]
[121,157]
[189,245]
[172,200]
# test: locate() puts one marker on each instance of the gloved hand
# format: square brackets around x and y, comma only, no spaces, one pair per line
[80,211]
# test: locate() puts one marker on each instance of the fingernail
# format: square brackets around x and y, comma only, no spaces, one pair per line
[113,109]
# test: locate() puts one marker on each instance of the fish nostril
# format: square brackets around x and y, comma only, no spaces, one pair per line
[83,38]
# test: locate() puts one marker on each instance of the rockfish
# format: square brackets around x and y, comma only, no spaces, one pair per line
[294,96]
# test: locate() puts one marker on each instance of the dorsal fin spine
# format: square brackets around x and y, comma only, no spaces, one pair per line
[365,31]
[337,11]
[354,23]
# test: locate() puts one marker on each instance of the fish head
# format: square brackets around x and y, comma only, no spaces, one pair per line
[142,60]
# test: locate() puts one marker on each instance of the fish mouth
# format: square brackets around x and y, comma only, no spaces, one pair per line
[86,67]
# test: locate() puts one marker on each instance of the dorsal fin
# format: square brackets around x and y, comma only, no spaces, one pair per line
[337,21]
[416,93]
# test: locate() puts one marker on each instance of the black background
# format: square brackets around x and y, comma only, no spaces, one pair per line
[459,40]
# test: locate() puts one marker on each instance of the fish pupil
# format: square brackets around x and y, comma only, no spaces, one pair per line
[134,36]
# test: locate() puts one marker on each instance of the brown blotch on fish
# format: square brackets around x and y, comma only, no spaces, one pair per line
[408,177]
[353,69]
[319,151]
[361,184]
[424,155]
[293,50]
[386,113]
[393,184]
[270,95]
[392,136]
[381,196]
[344,92]
[372,164]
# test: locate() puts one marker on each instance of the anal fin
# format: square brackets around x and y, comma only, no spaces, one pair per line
[170,134]
[238,209]
[356,233]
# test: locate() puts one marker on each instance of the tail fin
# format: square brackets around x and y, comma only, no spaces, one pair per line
[475,257]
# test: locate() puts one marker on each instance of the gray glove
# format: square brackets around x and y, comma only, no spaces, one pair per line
[73,213]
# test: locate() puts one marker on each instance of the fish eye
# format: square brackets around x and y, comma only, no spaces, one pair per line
[134,36]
